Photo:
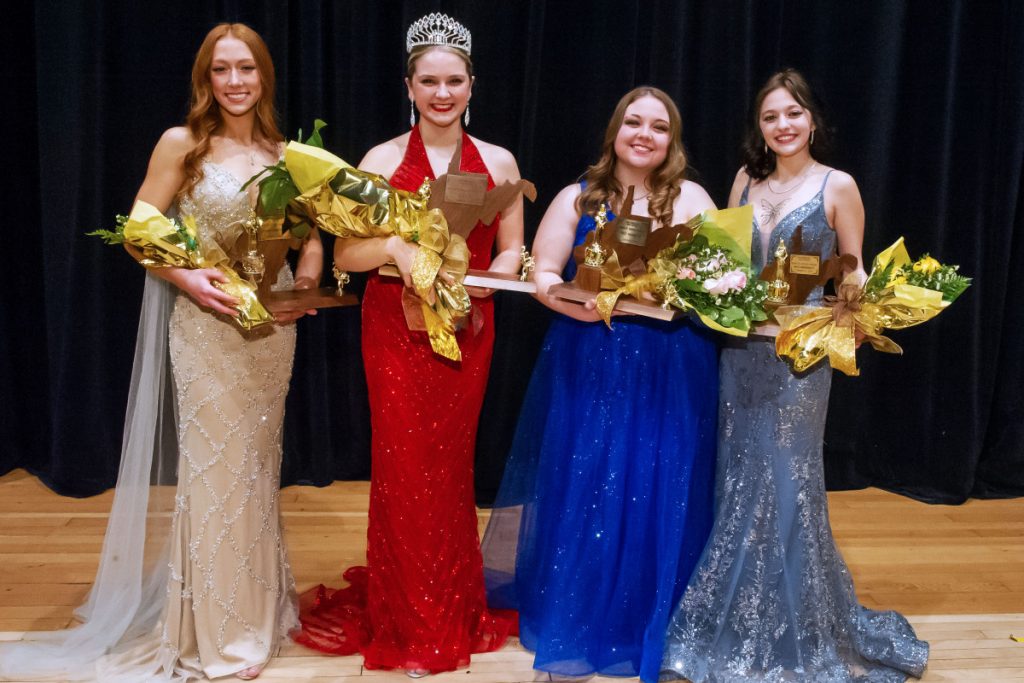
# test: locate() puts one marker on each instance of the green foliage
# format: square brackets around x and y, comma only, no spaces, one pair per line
[734,309]
[115,236]
[277,189]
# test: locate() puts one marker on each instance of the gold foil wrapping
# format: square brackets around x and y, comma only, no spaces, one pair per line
[811,334]
[347,202]
[725,228]
[161,245]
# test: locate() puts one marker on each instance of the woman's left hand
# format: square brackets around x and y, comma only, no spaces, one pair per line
[288,317]
[479,292]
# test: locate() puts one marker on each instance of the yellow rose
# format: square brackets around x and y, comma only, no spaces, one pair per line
[926,265]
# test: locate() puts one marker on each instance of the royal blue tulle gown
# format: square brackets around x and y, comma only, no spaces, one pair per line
[606,500]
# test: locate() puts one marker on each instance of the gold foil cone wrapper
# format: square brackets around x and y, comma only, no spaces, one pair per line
[811,334]
[347,202]
[162,246]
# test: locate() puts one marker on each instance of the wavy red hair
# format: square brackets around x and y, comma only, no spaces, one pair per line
[204,117]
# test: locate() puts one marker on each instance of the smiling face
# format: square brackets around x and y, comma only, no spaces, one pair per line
[785,124]
[643,138]
[440,87]
[234,77]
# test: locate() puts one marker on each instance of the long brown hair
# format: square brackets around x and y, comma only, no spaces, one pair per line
[602,185]
[758,158]
[204,117]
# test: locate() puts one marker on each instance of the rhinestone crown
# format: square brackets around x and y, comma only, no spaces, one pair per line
[438,29]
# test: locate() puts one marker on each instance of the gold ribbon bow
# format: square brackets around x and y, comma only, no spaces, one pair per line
[159,244]
[443,303]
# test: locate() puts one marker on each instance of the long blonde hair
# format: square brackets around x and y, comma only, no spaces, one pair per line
[204,116]
[602,185]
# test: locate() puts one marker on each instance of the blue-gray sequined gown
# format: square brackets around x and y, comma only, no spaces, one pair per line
[771,599]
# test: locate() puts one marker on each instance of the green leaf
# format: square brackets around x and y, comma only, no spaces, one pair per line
[299,230]
[314,138]
[689,286]
[276,191]
[108,236]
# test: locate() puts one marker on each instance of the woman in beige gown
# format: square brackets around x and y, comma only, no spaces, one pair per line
[220,596]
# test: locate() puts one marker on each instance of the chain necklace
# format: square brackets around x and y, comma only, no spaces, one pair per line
[795,184]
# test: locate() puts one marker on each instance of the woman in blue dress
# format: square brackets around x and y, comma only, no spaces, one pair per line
[606,500]
[771,599]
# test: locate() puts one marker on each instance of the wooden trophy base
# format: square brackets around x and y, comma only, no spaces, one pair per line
[290,300]
[571,291]
[588,278]
[479,278]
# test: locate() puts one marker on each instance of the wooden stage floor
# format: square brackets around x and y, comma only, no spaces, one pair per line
[956,571]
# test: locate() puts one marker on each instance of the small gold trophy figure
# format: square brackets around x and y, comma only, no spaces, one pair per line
[778,288]
[595,254]
[253,264]
[342,277]
[588,274]
[527,262]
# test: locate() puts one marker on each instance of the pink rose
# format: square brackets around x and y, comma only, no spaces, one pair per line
[685,273]
[733,281]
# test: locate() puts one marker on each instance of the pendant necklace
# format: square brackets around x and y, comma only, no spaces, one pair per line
[772,211]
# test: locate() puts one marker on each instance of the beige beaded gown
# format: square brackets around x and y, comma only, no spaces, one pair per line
[211,593]
[230,596]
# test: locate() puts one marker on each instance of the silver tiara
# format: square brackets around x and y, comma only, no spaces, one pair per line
[438,29]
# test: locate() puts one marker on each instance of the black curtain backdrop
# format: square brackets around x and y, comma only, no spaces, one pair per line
[925,98]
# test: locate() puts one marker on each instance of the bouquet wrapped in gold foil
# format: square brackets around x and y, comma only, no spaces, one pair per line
[706,271]
[312,187]
[157,241]
[898,293]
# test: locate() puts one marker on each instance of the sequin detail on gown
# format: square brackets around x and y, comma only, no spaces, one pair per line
[772,600]
[419,603]
[606,501]
[231,596]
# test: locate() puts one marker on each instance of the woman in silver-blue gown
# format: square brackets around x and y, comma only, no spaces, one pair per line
[771,599]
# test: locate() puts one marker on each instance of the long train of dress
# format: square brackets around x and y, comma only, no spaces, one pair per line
[219,597]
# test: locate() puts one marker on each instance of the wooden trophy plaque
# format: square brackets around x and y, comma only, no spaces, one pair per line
[633,243]
[464,200]
[801,272]
[273,243]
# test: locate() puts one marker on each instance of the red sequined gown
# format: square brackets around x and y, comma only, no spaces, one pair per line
[419,603]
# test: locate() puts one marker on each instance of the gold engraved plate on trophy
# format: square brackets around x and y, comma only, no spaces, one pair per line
[804,264]
[633,230]
[466,188]
[271,229]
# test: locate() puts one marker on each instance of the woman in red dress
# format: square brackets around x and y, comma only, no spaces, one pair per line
[424,608]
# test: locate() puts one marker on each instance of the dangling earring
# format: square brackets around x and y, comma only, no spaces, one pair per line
[812,136]
[765,146]
[412,114]
[465,116]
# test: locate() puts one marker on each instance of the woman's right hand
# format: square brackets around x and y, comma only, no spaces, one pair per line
[402,254]
[200,285]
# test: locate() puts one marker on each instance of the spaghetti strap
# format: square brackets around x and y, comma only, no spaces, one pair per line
[746,191]
[824,180]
